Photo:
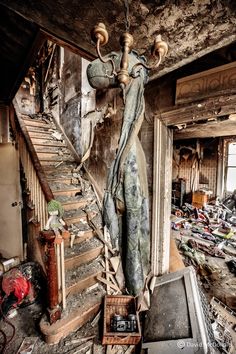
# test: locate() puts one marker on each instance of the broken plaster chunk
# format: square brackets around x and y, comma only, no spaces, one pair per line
[57,135]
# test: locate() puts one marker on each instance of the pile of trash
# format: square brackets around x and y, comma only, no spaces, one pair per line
[212,230]
[206,237]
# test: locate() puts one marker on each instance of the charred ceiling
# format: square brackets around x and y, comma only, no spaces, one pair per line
[191,28]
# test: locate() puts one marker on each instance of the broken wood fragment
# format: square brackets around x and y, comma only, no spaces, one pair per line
[96,319]
[107,282]
[98,232]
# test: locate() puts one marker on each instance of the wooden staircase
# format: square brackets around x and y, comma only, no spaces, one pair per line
[84,259]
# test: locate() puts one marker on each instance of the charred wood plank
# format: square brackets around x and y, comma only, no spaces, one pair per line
[211,108]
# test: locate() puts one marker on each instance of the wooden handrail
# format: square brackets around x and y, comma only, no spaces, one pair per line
[38,168]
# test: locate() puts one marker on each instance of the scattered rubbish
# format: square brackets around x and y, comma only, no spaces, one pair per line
[211,250]
[232,266]
[190,252]
[12,313]
[224,324]
[6,264]
[22,285]
[27,346]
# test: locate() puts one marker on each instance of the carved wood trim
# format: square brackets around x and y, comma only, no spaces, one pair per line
[209,83]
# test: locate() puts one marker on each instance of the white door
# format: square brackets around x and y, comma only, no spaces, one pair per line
[11,243]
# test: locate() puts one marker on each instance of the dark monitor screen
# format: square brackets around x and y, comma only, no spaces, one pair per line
[168,317]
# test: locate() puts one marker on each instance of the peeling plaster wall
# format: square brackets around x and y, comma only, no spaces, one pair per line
[106,137]
[70,100]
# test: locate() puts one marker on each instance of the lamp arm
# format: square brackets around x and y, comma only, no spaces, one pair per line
[105,60]
[146,66]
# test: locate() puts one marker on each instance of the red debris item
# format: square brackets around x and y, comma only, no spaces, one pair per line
[14,281]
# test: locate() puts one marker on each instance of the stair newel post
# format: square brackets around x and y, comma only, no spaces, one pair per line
[54,309]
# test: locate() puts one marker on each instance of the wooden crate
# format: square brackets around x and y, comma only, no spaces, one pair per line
[119,305]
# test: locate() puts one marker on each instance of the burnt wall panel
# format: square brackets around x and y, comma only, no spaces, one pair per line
[70,117]
[197,166]
[106,138]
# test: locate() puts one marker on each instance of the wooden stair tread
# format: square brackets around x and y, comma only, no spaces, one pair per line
[64,168]
[65,180]
[50,166]
[63,186]
[48,142]
[37,123]
[70,205]
[84,257]
[78,276]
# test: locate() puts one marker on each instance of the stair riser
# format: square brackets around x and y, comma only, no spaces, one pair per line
[59,180]
[83,284]
[75,220]
[70,193]
[40,129]
[44,142]
[72,206]
[51,149]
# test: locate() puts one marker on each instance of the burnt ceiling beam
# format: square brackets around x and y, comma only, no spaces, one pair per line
[207,130]
[202,110]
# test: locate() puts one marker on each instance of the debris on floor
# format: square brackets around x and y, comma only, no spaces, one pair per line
[224,325]
[206,238]
[27,345]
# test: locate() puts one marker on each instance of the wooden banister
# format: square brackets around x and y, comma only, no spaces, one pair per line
[38,168]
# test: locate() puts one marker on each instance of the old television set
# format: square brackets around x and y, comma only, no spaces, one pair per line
[177,321]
